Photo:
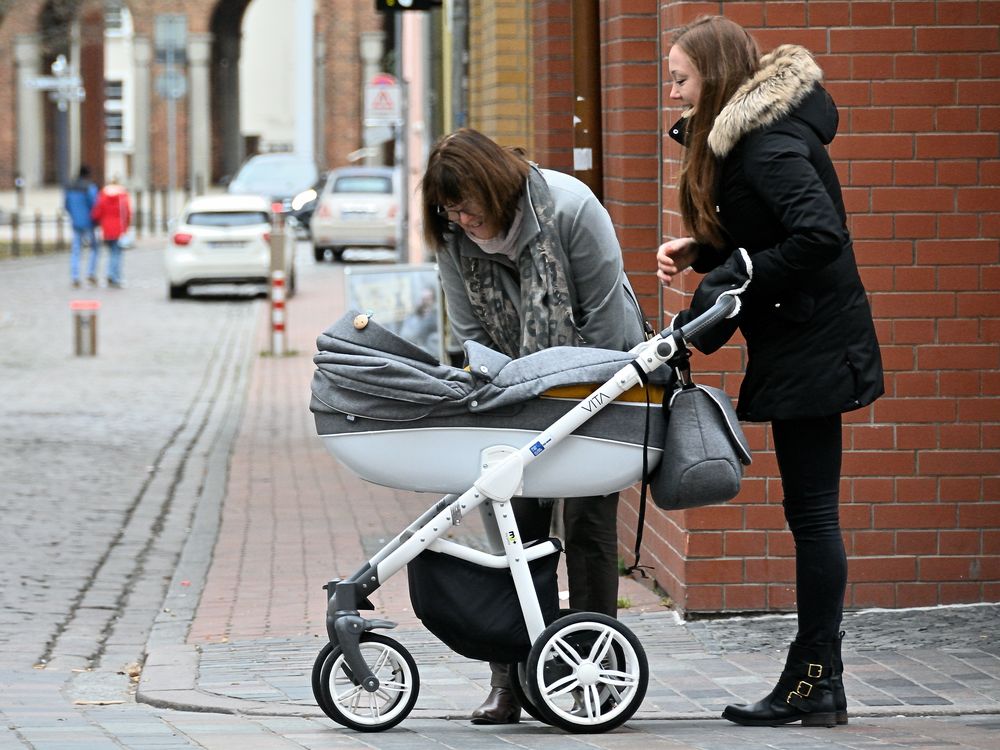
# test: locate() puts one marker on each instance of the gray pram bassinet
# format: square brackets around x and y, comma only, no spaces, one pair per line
[396,417]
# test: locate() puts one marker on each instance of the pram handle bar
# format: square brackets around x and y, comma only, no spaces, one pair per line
[722,309]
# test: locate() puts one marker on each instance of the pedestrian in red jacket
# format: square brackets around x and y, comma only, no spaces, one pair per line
[113,213]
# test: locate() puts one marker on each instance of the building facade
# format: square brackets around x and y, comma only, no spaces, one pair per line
[206,129]
[918,154]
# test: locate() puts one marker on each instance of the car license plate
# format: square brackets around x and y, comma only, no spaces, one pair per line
[226,243]
[355,214]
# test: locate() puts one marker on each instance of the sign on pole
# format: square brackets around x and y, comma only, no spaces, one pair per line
[170,37]
[383,101]
[171,84]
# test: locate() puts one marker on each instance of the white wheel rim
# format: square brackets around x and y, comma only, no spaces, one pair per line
[609,668]
[383,705]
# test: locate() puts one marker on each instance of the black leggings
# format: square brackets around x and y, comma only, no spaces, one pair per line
[809,454]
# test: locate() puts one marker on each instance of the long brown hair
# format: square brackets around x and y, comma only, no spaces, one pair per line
[468,166]
[725,55]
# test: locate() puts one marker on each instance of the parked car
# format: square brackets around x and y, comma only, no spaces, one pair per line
[223,239]
[357,207]
[277,177]
[303,205]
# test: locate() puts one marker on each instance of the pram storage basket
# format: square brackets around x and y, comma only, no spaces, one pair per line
[474,610]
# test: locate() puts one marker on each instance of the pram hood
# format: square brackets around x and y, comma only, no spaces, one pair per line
[373,373]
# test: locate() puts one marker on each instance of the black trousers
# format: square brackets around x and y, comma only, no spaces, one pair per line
[809,455]
[591,525]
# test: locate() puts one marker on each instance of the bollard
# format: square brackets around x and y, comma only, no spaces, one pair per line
[277,313]
[137,205]
[15,234]
[38,232]
[60,231]
[152,211]
[85,326]
[278,289]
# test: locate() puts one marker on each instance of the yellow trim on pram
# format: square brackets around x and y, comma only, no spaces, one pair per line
[582,390]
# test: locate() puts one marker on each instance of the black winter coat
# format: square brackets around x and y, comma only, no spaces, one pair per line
[811,345]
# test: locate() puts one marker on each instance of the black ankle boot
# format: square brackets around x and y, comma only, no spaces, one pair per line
[804,692]
[837,680]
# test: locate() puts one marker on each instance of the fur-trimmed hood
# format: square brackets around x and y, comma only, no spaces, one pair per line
[786,77]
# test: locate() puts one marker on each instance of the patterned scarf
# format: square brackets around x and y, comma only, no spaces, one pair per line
[546,317]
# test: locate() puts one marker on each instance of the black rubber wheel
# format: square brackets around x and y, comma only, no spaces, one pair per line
[319,253]
[178,291]
[518,670]
[317,672]
[586,673]
[349,704]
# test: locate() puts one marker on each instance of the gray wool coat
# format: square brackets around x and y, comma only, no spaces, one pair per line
[604,307]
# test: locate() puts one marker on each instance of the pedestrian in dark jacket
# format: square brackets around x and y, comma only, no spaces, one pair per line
[113,211]
[761,198]
[78,200]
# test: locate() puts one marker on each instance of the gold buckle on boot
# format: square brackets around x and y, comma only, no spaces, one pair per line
[802,690]
[815,671]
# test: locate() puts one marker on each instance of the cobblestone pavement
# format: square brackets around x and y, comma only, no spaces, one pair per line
[168,505]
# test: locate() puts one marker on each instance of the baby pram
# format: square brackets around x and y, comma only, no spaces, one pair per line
[485,435]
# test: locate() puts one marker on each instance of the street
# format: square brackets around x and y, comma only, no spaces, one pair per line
[165,498]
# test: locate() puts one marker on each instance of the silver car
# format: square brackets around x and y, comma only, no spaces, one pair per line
[357,207]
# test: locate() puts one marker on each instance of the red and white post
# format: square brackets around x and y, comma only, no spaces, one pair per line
[278,289]
[277,313]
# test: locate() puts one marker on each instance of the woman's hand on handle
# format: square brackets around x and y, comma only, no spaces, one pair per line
[673,257]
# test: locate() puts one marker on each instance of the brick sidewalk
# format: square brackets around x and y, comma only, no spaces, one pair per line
[292,518]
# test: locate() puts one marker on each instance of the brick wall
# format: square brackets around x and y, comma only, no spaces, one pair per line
[339,24]
[918,157]
[552,84]
[500,71]
[630,57]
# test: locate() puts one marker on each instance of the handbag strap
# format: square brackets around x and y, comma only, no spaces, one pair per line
[643,492]
[681,364]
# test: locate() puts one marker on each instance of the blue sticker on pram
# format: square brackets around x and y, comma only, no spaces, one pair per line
[536,449]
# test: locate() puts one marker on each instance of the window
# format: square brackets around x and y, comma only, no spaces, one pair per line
[114,129]
[117,19]
[360,184]
[228,218]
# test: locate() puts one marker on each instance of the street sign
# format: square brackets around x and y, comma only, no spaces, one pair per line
[398,5]
[170,37]
[63,86]
[383,101]
[171,84]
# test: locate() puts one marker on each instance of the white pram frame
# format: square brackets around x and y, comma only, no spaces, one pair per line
[585,672]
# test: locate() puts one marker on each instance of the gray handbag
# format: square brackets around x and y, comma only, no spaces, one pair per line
[704,450]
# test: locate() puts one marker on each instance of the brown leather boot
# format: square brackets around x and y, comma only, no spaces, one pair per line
[500,707]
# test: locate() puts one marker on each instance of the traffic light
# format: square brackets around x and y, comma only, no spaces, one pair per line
[393,6]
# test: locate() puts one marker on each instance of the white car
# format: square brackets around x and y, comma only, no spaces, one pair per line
[223,239]
[357,207]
